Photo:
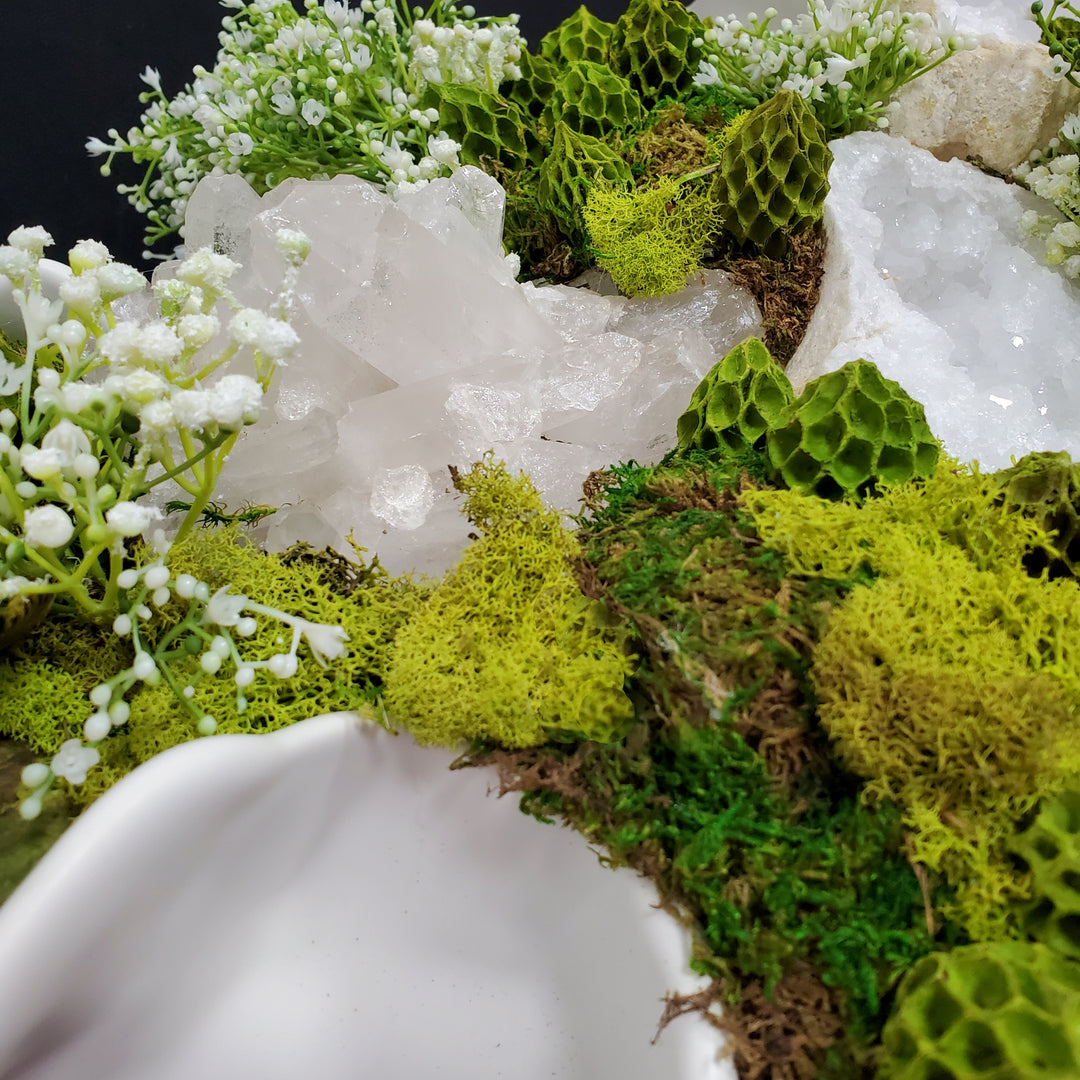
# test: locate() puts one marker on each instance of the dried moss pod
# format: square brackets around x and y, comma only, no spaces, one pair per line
[488,127]
[773,175]
[737,402]
[1051,848]
[653,47]
[849,430]
[581,36]
[576,161]
[1005,1010]
[533,90]
[593,100]
[1045,486]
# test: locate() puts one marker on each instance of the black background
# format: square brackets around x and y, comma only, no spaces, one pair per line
[70,69]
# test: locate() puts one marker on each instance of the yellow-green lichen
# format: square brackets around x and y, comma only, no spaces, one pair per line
[950,684]
[507,648]
[652,238]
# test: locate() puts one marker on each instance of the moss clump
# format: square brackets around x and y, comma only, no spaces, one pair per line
[45,695]
[1050,848]
[652,238]
[848,432]
[950,684]
[653,46]
[773,177]
[742,397]
[721,792]
[506,648]
[1004,1011]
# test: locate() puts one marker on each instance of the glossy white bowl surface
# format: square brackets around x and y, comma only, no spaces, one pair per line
[332,901]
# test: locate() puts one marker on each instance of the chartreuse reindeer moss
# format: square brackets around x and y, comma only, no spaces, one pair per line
[506,648]
[745,395]
[1050,848]
[1006,1010]
[848,431]
[651,238]
[45,696]
[773,176]
[721,792]
[951,684]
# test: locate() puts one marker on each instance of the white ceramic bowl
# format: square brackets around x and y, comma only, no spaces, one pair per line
[331,900]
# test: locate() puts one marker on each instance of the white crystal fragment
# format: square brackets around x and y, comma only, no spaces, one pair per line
[928,276]
[420,351]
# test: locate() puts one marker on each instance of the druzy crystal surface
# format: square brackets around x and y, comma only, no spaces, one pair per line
[421,351]
[929,276]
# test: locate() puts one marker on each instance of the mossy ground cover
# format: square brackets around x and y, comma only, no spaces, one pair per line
[804,903]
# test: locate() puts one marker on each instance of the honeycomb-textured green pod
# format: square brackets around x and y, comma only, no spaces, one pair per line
[744,395]
[581,36]
[773,173]
[488,127]
[534,89]
[1045,486]
[1003,1010]
[575,161]
[653,47]
[847,431]
[1051,848]
[593,100]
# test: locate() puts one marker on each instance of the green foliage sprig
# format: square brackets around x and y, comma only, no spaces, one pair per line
[335,90]
[846,60]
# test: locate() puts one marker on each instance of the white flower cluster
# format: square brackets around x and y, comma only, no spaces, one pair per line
[1054,174]
[479,56]
[107,409]
[212,622]
[102,411]
[847,59]
[337,89]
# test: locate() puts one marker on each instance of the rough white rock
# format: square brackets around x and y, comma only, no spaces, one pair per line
[420,350]
[983,20]
[997,103]
[927,275]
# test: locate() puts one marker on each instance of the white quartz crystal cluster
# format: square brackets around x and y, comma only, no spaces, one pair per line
[928,276]
[420,351]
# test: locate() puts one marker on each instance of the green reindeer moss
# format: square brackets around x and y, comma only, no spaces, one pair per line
[650,239]
[950,684]
[45,698]
[506,648]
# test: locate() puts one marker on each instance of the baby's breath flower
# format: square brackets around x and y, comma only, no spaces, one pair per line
[73,761]
[32,239]
[47,527]
[131,519]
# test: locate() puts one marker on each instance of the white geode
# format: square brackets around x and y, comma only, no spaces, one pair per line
[928,276]
[420,350]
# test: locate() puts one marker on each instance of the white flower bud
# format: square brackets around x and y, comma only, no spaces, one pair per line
[47,526]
